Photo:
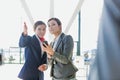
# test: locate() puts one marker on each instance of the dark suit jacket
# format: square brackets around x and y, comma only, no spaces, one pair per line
[62,58]
[107,61]
[33,58]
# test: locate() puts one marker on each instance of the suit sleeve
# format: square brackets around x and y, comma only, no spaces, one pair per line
[66,55]
[24,40]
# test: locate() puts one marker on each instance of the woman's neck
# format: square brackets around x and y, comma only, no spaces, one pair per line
[57,34]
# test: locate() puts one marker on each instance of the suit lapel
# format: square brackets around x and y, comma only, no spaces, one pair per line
[59,41]
[36,43]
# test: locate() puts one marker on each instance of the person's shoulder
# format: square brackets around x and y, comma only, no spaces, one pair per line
[68,36]
[33,36]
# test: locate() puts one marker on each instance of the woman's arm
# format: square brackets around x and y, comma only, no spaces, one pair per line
[24,39]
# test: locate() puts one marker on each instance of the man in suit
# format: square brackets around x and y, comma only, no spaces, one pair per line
[61,53]
[107,65]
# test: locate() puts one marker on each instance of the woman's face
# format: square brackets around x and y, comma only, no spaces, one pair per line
[40,30]
[54,28]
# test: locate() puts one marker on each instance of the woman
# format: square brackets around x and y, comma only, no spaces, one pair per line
[35,58]
[60,52]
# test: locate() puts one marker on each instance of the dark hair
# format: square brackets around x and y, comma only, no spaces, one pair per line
[57,20]
[38,23]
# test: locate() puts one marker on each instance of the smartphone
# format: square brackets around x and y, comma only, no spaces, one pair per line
[45,42]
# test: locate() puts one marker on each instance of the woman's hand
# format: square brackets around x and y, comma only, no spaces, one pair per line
[25,29]
[48,49]
[42,67]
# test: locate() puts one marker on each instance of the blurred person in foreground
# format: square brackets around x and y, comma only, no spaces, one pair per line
[107,61]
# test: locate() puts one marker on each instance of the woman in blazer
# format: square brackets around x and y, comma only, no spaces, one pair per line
[60,53]
[35,58]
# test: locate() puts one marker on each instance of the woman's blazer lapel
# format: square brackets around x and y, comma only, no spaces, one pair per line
[59,41]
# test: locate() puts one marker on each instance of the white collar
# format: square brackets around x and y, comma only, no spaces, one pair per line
[57,37]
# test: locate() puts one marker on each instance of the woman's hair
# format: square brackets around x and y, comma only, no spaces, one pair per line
[57,20]
[37,23]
